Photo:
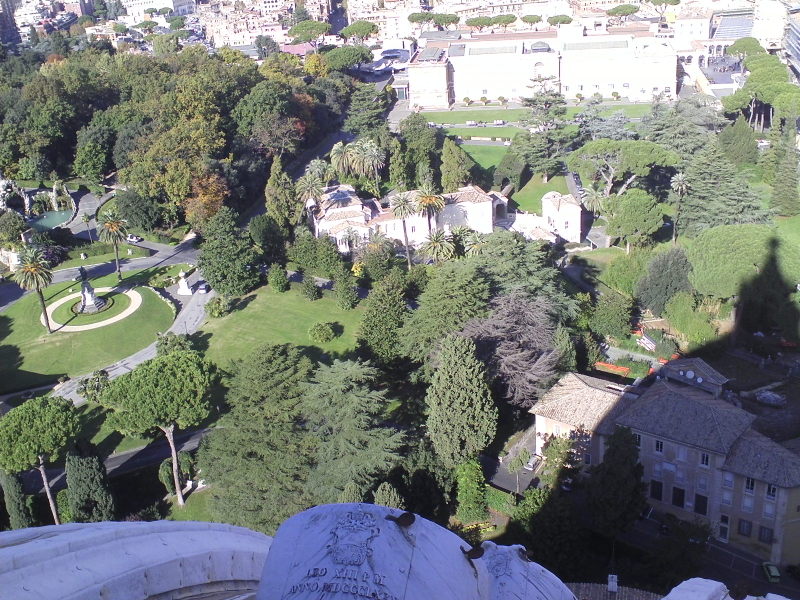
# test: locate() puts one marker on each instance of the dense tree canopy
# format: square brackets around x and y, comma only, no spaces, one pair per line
[227,259]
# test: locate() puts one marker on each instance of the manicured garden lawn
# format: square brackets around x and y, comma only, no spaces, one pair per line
[789,230]
[632,111]
[74,257]
[505,133]
[95,427]
[529,198]
[29,357]
[195,509]
[485,156]
[115,303]
[488,114]
[272,318]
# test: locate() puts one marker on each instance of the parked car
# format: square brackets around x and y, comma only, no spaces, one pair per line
[203,287]
[134,239]
[566,484]
[771,572]
[533,463]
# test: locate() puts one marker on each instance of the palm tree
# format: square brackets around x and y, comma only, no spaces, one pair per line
[373,159]
[321,169]
[474,243]
[357,158]
[112,230]
[593,200]
[679,185]
[34,273]
[403,207]
[86,220]
[341,158]
[438,247]
[309,187]
[429,203]
[458,235]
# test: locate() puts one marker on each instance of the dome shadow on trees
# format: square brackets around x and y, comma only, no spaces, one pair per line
[766,316]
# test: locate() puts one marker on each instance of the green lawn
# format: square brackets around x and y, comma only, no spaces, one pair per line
[488,114]
[74,257]
[529,198]
[116,303]
[94,427]
[272,318]
[632,111]
[486,156]
[29,357]
[497,133]
[789,230]
[195,509]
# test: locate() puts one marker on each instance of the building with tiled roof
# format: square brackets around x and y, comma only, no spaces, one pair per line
[350,220]
[702,457]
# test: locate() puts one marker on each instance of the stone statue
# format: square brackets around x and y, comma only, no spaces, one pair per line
[90,303]
[183,285]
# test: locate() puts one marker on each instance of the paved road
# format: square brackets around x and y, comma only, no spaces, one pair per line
[88,204]
[124,462]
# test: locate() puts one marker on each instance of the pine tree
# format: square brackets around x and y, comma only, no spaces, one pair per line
[772,155]
[345,287]
[387,495]
[399,165]
[564,344]
[462,417]
[277,279]
[785,199]
[346,414]
[90,499]
[350,494]
[616,492]
[667,274]
[257,466]
[227,258]
[366,110]
[458,291]
[471,494]
[739,143]
[385,311]
[18,504]
[717,195]
[282,206]
[456,167]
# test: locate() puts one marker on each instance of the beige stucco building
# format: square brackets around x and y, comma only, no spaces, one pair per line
[702,457]
[473,66]
[349,220]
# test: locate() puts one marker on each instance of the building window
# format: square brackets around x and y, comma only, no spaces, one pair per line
[704,460]
[745,527]
[566,88]
[765,535]
[638,439]
[727,480]
[587,459]
[769,510]
[626,85]
[413,229]
[678,497]
[657,466]
[659,446]
[556,430]
[724,522]
[772,491]
[656,490]
[701,483]
[749,485]
[680,453]
[484,92]
[727,497]
[747,503]
[701,504]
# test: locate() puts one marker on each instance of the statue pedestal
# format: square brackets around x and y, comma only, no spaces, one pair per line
[90,303]
[183,285]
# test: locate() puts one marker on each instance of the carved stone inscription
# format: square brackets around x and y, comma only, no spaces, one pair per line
[354,562]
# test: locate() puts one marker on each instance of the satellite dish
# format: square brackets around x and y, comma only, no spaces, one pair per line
[690,374]
[699,380]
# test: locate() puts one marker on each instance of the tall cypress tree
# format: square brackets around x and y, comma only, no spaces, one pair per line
[18,504]
[456,167]
[462,417]
[385,311]
[227,256]
[282,205]
[90,499]
[739,143]
[717,194]
[785,199]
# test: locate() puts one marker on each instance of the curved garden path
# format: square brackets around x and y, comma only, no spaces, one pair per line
[136,302]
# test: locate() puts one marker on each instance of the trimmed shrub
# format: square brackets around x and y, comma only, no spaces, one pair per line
[277,279]
[321,332]
[310,289]
[218,306]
